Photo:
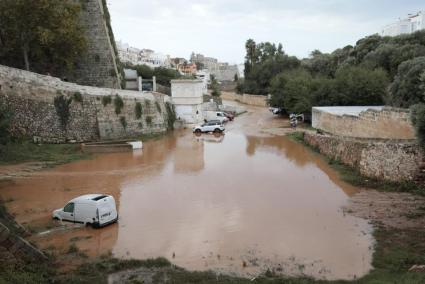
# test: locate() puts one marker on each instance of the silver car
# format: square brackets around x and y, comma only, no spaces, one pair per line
[210,126]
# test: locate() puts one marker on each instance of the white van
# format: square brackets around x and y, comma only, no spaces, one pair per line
[97,210]
[216,115]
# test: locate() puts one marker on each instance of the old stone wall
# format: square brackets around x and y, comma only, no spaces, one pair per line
[98,66]
[245,99]
[386,160]
[92,111]
[389,123]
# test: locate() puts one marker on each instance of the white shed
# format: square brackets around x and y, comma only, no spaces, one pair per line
[187,97]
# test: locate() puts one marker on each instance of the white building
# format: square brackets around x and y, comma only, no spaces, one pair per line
[128,54]
[409,25]
[187,97]
[135,56]
[153,59]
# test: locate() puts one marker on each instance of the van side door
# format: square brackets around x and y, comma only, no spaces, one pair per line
[68,212]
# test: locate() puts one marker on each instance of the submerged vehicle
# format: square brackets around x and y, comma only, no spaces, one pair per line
[97,210]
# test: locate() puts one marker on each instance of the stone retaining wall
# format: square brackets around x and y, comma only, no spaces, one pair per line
[245,99]
[386,160]
[31,99]
[389,123]
[18,247]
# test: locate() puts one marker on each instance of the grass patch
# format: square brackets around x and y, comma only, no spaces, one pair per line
[25,151]
[73,249]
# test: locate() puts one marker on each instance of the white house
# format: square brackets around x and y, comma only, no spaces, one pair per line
[187,97]
[411,24]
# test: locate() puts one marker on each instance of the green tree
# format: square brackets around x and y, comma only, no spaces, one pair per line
[215,87]
[40,35]
[406,90]
[163,75]
[293,91]
[360,86]
[251,57]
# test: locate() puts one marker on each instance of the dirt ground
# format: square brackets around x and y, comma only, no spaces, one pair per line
[389,209]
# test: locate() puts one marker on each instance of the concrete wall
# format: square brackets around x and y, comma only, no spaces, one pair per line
[98,66]
[245,99]
[31,96]
[389,123]
[393,161]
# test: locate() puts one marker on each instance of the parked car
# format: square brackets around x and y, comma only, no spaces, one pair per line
[277,110]
[216,115]
[229,115]
[210,126]
[97,210]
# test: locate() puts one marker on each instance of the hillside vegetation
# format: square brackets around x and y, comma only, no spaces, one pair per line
[376,71]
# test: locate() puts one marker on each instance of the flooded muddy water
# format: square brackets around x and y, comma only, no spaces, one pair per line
[239,204]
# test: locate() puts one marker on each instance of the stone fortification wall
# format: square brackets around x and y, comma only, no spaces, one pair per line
[386,160]
[92,111]
[388,123]
[246,99]
[98,66]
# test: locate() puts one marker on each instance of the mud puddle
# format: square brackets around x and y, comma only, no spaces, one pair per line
[238,204]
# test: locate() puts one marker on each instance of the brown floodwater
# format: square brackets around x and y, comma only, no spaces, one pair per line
[238,204]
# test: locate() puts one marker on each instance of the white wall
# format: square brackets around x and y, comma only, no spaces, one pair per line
[187,99]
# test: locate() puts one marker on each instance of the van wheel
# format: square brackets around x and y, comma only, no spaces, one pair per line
[198,131]
[56,218]
[217,130]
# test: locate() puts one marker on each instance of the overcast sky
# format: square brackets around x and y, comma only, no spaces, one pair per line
[220,28]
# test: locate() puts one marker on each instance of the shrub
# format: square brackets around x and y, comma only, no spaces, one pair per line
[73,249]
[5,117]
[406,89]
[171,115]
[78,97]
[123,122]
[62,108]
[158,107]
[138,110]
[106,100]
[119,104]
[418,120]
[149,120]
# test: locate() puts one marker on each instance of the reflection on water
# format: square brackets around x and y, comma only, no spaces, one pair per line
[215,202]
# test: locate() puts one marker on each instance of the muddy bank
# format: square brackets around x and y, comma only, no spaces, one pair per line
[389,209]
